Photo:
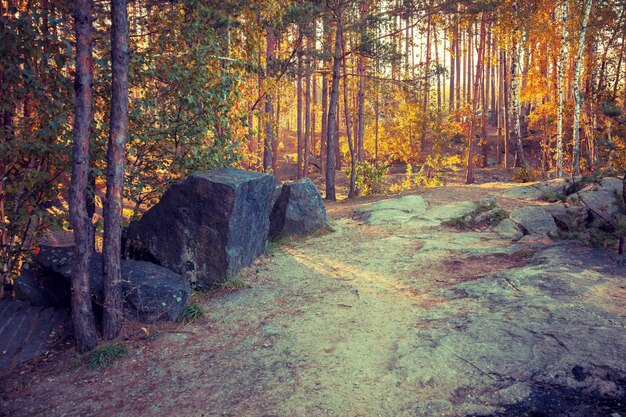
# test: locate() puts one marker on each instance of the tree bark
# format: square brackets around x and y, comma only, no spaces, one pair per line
[361,93]
[299,116]
[346,110]
[477,76]
[307,113]
[515,102]
[269,107]
[426,90]
[507,113]
[82,313]
[332,118]
[559,71]
[112,249]
[452,68]
[577,95]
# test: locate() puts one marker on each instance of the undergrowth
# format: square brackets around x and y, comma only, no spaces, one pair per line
[105,355]
[190,313]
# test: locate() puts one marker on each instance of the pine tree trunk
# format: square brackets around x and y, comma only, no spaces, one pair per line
[559,70]
[113,303]
[307,114]
[361,94]
[426,91]
[299,116]
[82,313]
[269,107]
[469,179]
[346,110]
[452,68]
[333,131]
[577,94]
[326,63]
[507,113]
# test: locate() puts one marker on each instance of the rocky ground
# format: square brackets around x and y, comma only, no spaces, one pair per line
[397,312]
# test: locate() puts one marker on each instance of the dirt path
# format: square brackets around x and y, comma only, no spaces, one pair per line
[404,318]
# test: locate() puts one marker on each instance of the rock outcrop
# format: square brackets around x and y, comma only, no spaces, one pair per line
[298,210]
[151,292]
[533,220]
[209,226]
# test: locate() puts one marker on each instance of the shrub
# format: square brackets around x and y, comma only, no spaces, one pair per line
[524,174]
[370,178]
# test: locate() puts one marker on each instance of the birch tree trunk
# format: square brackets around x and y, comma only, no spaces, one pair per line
[577,95]
[82,313]
[515,102]
[559,84]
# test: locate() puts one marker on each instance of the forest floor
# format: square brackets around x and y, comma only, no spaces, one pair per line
[399,318]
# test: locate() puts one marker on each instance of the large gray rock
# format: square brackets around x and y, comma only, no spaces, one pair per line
[209,226]
[603,200]
[567,218]
[298,210]
[533,219]
[558,188]
[150,291]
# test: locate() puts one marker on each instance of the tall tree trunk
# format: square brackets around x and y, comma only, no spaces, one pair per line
[307,112]
[82,313]
[457,43]
[470,152]
[269,107]
[559,71]
[326,64]
[112,249]
[515,102]
[577,94]
[453,58]
[507,113]
[333,131]
[299,116]
[426,91]
[438,82]
[346,110]
[361,94]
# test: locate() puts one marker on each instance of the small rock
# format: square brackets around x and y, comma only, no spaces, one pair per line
[507,229]
[487,215]
[579,373]
[534,220]
[488,202]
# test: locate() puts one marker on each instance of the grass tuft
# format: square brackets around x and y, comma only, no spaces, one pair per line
[190,313]
[105,355]
[233,284]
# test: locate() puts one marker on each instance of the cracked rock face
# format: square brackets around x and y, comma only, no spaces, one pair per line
[298,210]
[534,220]
[209,226]
[150,291]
